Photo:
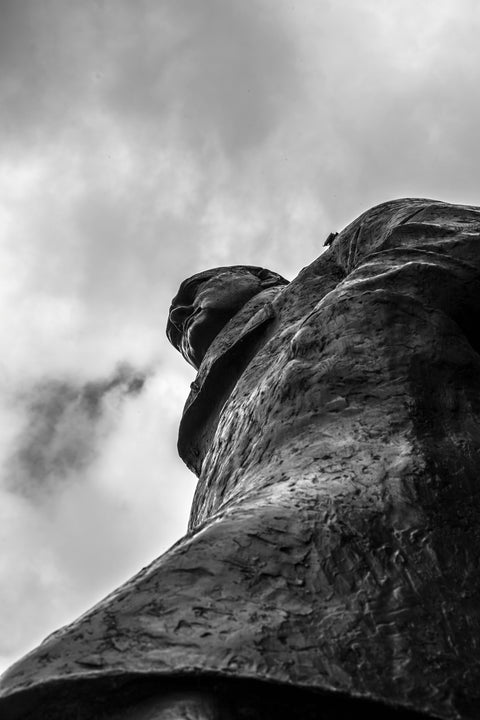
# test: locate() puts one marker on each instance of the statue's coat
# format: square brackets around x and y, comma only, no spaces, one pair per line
[335,532]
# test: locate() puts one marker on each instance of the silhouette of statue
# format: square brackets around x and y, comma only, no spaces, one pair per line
[331,561]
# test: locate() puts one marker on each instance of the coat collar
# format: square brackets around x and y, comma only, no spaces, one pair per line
[228,356]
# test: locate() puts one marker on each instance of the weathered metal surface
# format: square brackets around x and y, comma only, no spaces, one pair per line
[334,534]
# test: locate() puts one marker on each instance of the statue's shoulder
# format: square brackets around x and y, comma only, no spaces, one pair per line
[390,223]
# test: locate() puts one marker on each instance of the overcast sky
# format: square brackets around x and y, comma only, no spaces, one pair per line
[143,141]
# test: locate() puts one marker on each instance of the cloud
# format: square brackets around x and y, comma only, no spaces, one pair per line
[66,424]
[220,71]
[139,119]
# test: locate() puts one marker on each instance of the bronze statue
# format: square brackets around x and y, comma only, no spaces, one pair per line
[330,565]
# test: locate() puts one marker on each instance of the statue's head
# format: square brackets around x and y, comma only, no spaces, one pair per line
[207,301]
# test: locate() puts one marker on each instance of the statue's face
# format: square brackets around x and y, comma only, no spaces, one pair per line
[207,301]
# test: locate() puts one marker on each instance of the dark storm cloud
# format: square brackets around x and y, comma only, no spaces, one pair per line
[66,424]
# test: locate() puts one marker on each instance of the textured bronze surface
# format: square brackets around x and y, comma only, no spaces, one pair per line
[334,534]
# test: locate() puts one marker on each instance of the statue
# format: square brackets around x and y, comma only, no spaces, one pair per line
[331,561]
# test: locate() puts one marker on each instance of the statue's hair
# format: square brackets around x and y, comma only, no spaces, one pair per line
[188,289]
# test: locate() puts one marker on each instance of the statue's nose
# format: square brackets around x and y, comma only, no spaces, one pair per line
[179,314]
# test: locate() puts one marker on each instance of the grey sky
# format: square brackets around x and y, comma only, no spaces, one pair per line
[142,142]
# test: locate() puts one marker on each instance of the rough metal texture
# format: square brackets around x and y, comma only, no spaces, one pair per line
[334,535]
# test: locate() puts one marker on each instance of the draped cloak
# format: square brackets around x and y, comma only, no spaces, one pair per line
[335,530]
